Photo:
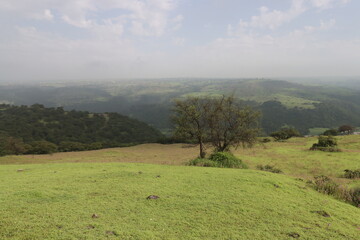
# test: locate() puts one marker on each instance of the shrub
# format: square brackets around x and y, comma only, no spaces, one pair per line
[218,159]
[326,144]
[352,174]
[268,168]
[202,162]
[94,146]
[67,146]
[226,160]
[265,140]
[355,196]
[42,147]
[285,133]
[12,146]
[325,185]
[331,132]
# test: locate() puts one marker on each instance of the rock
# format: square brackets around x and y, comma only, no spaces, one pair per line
[294,235]
[322,213]
[95,216]
[20,170]
[111,233]
[152,197]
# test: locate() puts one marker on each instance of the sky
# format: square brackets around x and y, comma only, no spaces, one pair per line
[122,39]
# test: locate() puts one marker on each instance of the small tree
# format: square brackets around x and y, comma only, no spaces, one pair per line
[191,120]
[10,145]
[346,129]
[222,122]
[231,124]
[285,133]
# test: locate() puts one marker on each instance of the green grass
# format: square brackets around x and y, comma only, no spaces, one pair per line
[57,201]
[294,158]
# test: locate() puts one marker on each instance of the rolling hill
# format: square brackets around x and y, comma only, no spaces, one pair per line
[303,106]
[109,201]
[38,123]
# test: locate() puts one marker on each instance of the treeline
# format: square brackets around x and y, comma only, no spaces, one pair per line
[327,114]
[30,129]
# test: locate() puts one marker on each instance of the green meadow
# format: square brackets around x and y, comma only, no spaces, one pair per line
[103,194]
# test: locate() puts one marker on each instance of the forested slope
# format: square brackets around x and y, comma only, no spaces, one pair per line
[55,125]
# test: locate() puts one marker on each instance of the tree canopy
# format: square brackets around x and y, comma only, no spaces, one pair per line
[222,122]
[37,126]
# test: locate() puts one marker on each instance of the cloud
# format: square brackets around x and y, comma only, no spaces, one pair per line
[324,4]
[140,17]
[178,41]
[50,56]
[273,19]
[46,15]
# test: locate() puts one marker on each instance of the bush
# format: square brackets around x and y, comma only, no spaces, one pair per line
[285,133]
[352,174]
[326,144]
[265,140]
[331,132]
[355,196]
[219,159]
[94,146]
[42,147]
[12,146]
[202,162]
[268,168]
[68,146]
[325,185]
[227,160]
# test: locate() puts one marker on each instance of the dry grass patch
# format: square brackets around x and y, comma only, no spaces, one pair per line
[174,154]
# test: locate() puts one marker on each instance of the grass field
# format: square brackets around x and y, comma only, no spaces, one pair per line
[292,157]
[57,201]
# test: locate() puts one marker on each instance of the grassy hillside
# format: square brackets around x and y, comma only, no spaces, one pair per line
[57,201]
[292,157]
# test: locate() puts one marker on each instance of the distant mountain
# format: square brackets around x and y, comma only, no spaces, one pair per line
[281,102]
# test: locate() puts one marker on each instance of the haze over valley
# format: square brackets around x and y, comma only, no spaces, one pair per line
[179,119]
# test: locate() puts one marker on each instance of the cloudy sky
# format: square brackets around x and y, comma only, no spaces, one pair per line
[109,39]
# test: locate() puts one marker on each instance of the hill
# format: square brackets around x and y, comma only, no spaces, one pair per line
[58,201]
[36,123]
[292,157]
[303,106]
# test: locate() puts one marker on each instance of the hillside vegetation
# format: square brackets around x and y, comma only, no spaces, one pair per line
[281,102]
[35,123]
[109,201]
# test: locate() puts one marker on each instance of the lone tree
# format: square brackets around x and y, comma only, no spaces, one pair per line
[191,120]
[221,122]
[231,124]
[346,129]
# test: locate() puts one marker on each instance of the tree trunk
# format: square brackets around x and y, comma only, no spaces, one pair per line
[202,149]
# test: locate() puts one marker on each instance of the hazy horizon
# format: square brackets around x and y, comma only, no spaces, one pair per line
[63,40]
